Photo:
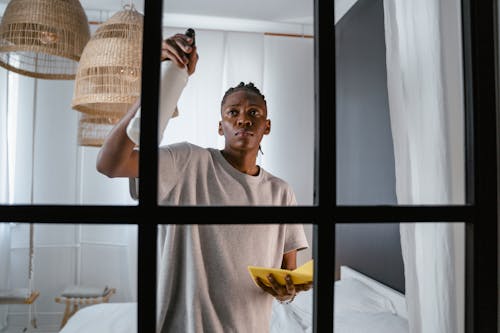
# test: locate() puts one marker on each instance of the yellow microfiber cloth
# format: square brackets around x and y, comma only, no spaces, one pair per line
[301,275]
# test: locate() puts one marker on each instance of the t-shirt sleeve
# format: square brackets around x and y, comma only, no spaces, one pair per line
[295,238]
[172,160]
[292,200]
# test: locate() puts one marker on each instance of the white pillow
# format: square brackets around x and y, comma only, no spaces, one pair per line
[354,295]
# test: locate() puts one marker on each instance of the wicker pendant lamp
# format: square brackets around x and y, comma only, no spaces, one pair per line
[108,79]
[93,129]
[43,38]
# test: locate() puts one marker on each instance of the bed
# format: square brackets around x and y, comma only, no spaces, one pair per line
[362,305]
[104,318]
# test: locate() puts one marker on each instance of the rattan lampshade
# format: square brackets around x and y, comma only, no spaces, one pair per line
[93,129]
[43,38]
[108,79]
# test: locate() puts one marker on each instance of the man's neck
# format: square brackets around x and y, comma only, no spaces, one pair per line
[242,161]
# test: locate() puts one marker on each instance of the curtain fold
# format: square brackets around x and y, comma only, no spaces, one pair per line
[4,166]
[4,197]
[426,105]
[289,89]
[243,61]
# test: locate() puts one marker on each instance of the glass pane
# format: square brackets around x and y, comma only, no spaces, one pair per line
[52,125]
[400,277]
[271,47]
[400,110]
[212,269]
[51,270]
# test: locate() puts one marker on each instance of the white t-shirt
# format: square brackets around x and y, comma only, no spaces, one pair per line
[192,175]
[203,282]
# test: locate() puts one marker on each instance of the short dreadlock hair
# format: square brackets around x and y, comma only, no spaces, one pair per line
[250,87]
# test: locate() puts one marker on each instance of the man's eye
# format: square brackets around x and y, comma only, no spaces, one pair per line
[253,112]
[232,112]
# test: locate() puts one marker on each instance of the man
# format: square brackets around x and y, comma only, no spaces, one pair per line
[203,282]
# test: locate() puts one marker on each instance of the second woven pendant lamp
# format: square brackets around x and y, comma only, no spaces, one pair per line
[108,79]
[93,129]
[43,38]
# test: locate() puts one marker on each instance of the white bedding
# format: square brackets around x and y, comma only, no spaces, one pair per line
[104,318]
[359,308]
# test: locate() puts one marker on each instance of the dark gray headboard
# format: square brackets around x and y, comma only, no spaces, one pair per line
[365,156]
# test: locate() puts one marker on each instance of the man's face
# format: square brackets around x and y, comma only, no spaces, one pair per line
[244,120]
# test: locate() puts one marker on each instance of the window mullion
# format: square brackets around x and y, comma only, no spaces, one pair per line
[325,167]
[148,166]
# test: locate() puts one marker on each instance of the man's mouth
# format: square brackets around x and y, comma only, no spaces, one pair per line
[244,133]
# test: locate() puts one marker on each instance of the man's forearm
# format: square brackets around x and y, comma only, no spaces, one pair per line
[115,153]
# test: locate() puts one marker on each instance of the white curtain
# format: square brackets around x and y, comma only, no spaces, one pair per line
[13,177]
[426,110]
[289,90]
[4,197]
[243,61]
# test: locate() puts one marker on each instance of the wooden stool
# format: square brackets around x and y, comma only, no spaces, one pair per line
[21,296]
[18,296]
[73,304]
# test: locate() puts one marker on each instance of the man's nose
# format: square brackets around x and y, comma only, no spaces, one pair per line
[244,121]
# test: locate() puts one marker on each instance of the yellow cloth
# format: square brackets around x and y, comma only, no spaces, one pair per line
[300,275]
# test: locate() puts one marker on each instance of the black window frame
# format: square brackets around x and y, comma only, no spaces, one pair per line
[480,215]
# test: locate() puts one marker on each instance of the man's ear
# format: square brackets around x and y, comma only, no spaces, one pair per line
[221,132]
[268,127]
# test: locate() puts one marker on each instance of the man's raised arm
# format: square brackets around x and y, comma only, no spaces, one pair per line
[119,156]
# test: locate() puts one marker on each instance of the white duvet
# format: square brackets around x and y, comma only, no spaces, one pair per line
[104,318]
[358,309]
